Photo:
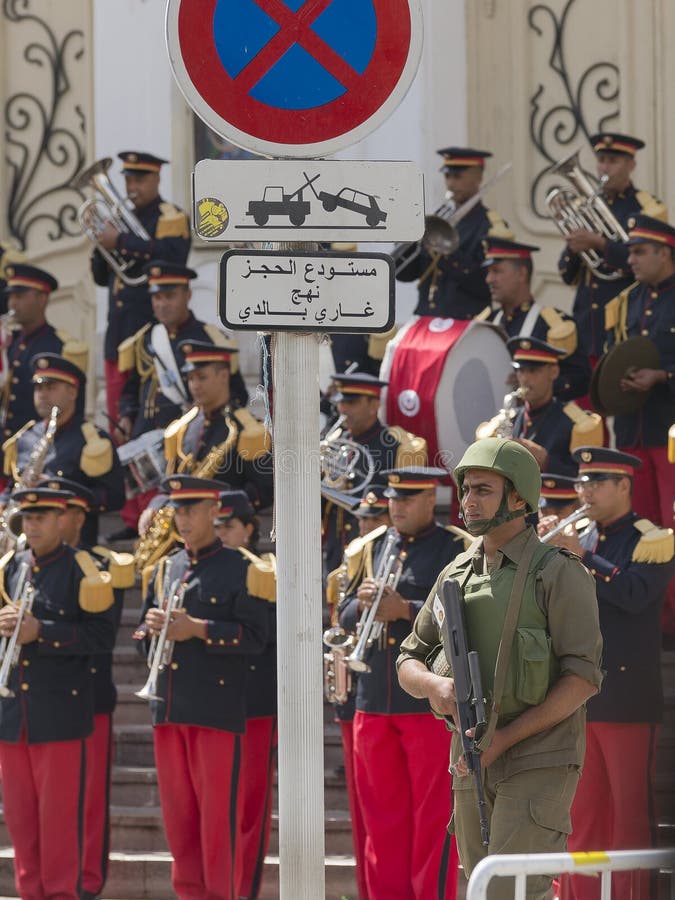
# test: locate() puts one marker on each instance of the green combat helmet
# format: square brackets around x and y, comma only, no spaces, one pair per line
[516,464]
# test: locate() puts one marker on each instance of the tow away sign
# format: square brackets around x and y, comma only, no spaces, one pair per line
[327,200]
[261,290]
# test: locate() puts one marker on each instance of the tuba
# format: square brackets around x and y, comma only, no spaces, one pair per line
[582,208]
[94,213]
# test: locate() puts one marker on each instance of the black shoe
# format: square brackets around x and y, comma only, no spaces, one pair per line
[124,534]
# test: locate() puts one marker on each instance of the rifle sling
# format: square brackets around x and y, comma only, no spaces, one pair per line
[506,640]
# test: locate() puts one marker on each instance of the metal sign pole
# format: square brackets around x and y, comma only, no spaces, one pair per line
[299,624]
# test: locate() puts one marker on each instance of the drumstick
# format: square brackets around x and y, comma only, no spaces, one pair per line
[117,425]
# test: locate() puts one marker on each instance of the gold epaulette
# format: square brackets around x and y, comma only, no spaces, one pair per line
[96,589]
[498,226]
[411,450]
[561,332]
[460,534]
[333,584]
[587,430]
[8,256]
[650,206]
[172,222]
[3,565]
[377,343]
[261,577]
[120,566]
[222,340]
[483,315]
[127,351]
[9,449]
[97,455]
[174,432]
[253,440]
[615,314]
[76,352]
[657,545]
[671,444]
[358,554]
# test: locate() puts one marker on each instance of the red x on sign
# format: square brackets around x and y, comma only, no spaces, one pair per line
[294,77]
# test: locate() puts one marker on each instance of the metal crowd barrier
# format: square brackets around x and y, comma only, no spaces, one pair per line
[520,865]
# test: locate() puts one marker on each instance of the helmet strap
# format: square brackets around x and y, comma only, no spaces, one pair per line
[481,526]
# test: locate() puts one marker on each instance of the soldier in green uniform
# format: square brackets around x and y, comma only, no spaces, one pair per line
[533,748]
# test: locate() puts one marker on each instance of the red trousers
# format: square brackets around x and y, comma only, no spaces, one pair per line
[358,828]
[98,748]
[259,755]
[654,499]
[613,807]
[114,383]
[198,774]
[43,792]
[134,506]
[403,784]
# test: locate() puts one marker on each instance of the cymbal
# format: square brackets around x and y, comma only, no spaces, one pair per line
[593,390]
[635,353]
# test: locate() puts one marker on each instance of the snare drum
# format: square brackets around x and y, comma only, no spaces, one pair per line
[143,462]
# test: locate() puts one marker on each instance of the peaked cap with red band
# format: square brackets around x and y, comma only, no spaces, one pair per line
[234,505]
[52,367]
[598,463]
[613,142]
[184,490]
[557,489]
[461,157]
[162,274]
[497,249]
[526,350]
[136,163]
[356,384]
[644,229]
[373,503]
[202,353]
[408,481]
[80,496]
[39,498]
[21,277]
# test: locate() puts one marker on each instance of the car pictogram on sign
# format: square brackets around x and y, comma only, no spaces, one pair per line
[356,201]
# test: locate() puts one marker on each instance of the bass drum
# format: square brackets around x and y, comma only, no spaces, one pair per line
[445,378]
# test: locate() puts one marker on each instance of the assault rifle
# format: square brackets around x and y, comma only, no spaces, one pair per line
[468,689]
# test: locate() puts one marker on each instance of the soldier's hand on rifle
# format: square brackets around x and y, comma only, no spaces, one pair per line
[441,697]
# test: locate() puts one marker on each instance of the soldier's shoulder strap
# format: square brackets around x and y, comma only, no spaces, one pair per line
[411,450]
[587,428]
[651,206]
[261,575]
[96,589]
[657,545]
[499,227]
[97,455]
[254,439]
[120,566]
[562,332]
[10,449]
[172,222]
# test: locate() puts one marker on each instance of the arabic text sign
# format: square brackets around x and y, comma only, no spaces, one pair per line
[268,290]
[294,78]
[326,200]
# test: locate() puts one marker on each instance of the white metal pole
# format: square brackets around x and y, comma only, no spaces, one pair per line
[299,617]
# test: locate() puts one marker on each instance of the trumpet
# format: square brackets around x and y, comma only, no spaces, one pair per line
[9,647]
[441,236]
[563,523]
[368,630]
[161,648]
[94,214]
[584,209]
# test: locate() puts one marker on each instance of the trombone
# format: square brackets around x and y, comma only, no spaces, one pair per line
[95,213]
[441,236]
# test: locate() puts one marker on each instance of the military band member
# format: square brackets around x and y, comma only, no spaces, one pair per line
[532,749]
[549,429]
[404,801]
[129,307]
[237,527]
[615,156]
[201,714]
[28,290]
[453,286]
[559,497]
[357,396]
[509,276]
[632,562]
[648,309]
[50,712]
[120,566]
[79,451]
[8,256]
